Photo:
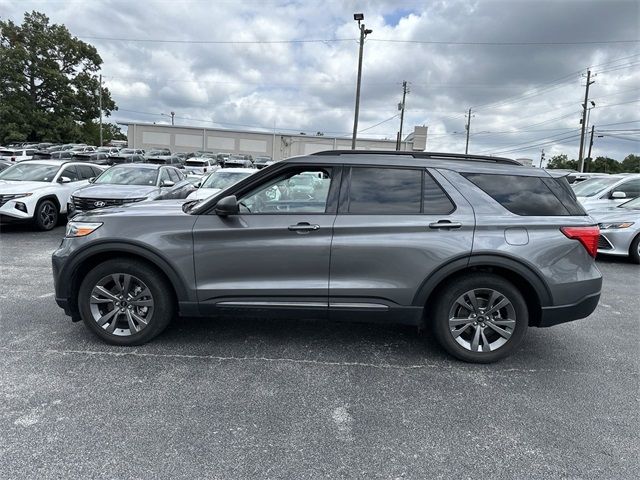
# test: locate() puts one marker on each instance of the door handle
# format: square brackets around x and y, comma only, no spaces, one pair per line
[446,224]
[304,227]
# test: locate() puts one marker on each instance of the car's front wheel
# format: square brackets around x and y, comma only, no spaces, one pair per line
[125,302]
[480,318]
[46,215]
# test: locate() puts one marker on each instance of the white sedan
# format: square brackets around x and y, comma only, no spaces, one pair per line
[39,190]
[219,180]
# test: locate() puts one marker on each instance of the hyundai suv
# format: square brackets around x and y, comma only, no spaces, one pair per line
[477,248]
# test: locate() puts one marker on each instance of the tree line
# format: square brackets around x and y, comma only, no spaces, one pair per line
[49,85]
[630,164]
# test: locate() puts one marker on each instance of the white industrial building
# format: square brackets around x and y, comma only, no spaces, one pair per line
[276,145]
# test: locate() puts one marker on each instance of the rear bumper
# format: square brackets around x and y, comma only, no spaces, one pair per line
[551,316]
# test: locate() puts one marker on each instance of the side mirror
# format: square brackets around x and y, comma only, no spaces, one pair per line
[167,183]
[198,184]
[227,206]
[64,180]
[618,195]
[92,179]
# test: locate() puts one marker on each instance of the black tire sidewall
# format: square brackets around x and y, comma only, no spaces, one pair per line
[449,294]
[37,218]
[633,250]
[164,308]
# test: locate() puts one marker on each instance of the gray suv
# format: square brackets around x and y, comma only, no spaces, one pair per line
[477,248]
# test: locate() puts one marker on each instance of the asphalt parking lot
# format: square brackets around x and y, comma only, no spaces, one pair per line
[283,399]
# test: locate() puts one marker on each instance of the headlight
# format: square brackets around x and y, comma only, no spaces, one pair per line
[81,229]
[17,195]
[610,226]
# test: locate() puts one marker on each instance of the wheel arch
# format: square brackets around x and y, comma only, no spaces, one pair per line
[87,259]
[52,197]
[534,289]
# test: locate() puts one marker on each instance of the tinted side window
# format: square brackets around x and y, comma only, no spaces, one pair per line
[561,188]
[380,191]
[71,172]
[164,175]
[96,171]
[518,194]
[173,174]
[86,171]
[435,201]
[631,188]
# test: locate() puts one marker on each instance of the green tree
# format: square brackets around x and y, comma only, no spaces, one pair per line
[605,165]
[631,164]
[562,161]
[48,82]
[90,132]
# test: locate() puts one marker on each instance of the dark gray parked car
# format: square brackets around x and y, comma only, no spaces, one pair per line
[478,248]
[130,183]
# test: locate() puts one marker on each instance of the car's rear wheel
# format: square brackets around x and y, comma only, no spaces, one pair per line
[46,215]
[480,318]
[634,250]
[125,302]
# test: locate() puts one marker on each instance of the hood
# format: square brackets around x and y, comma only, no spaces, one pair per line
[16,186]
[614,215]
[110,191]
[157,208]
[202,193]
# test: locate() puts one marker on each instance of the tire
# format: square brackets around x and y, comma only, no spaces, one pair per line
[634,250]
[457,337]
[144,304]
[46,215]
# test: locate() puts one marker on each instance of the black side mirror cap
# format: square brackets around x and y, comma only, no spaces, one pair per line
[227,206]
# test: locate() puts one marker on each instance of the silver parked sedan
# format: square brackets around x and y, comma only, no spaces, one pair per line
[620,229]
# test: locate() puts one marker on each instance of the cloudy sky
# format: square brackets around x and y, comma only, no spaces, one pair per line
[291,64]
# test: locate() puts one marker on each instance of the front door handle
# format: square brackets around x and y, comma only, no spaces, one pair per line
[446,224]
[304,227]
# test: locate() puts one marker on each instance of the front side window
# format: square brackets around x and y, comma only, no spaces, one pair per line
[631,189]
[71,173]
[295,191]
[380,191]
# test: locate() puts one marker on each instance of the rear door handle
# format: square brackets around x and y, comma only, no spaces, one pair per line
[446,224]
[304,227]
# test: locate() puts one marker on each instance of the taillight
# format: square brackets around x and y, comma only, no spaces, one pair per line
[13,159]
[205,169]
[587,236]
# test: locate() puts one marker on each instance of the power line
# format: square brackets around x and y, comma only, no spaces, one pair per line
[508,44]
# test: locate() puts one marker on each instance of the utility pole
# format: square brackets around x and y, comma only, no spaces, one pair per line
[584,120]
[363,33]
[173,114]
[468,127]
[541,157]
[405,90]
[100,107]
[591,142]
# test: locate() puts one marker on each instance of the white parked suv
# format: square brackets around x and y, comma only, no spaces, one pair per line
[18,155]
[39,190]
[609,191]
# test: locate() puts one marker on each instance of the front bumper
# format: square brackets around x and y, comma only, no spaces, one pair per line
[616,241]
[9,210]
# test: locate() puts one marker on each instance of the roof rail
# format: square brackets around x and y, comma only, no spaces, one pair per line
[426,155]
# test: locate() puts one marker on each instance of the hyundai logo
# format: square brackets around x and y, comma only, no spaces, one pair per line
[99,204]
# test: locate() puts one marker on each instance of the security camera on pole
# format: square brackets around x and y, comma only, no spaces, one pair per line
[363,33]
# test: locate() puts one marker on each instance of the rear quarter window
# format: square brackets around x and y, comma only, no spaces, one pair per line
[527,196]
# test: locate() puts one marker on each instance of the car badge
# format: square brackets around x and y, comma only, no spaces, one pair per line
[99,204]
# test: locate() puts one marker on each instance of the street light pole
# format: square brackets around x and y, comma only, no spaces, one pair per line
[100,107]
[173,114]
[363,33]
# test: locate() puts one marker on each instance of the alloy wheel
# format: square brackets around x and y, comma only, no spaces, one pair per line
[48,215]
[482,320]
[121,304]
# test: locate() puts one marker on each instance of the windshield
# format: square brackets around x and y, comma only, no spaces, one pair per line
[103,149]
[194,163]
[632,204]
[591,187]
[127,151]
[30,172]
[128,176]
[222,179]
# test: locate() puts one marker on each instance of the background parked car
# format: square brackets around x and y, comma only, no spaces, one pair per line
[18,155]
[156,152]
[99,158]
[108,150]
[219,180]
[122,184]
[607,191]
[620,229]
[165,160]
[4,164]
[127,155]
[201,165]
[262,161]
[238,161]
[39,190]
